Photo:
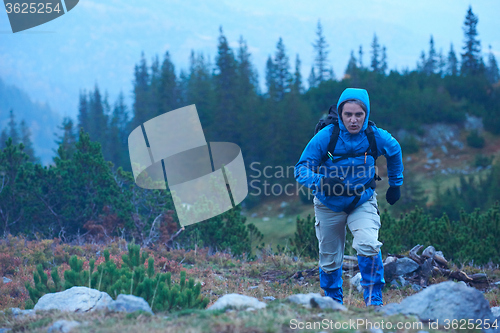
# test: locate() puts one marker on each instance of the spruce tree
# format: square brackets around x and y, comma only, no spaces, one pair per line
[118,134]
[321,57]
[200,89]
[141,94]
[492,70]
[84,120]
[360,56]
[12,128]
[226,83]
[248,79]
[421,63]
[251,114]
[375,60]
[452,68]
[154,89]
[67,140]
[169,88]
[441,65]
[98,115]
[297,77]
[311,80]
[471,58]
[282,71]
[432,61]
[3,138]
[270,77]
[28,144]
[351,65]
[383,61]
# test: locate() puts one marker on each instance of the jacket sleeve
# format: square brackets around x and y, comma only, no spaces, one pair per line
[307,168]
[390,148]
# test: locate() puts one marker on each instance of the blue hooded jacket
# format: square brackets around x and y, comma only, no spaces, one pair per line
[354,170]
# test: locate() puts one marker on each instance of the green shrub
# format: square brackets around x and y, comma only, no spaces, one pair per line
[482,161]
[132,278]
[305,242]
[475,140]
[410,145]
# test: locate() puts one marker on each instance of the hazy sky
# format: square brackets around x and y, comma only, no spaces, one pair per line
[101,41]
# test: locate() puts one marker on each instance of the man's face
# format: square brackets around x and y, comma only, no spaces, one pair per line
[353,117]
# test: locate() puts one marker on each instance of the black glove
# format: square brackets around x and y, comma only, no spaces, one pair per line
[393,194]
[332,186]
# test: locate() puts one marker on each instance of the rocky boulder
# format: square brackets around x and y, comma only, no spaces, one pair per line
[129,303]
[76,299]
[315,300]
[446,300]
[237,302]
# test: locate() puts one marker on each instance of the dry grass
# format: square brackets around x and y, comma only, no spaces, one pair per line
[268,275]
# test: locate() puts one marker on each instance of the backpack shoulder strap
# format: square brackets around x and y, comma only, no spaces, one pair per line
[371,140]
[333,140]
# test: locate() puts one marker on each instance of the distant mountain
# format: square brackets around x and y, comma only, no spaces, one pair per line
[41,120]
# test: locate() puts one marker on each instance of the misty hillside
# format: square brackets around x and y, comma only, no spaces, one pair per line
[41,120]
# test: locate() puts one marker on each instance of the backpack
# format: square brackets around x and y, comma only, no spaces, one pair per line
[333,118]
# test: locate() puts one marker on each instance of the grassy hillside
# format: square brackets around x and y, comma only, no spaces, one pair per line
[268,275]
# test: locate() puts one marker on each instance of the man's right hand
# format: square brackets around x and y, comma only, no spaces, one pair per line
[332,186]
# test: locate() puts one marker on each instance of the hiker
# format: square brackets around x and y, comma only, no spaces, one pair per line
[342,179]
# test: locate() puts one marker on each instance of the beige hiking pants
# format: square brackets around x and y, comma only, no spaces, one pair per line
[364,223]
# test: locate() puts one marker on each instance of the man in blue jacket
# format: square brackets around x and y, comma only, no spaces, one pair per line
[344,194]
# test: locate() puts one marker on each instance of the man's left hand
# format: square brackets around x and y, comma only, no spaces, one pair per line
[393,194]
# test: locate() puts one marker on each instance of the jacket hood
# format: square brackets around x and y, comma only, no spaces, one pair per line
[359,94]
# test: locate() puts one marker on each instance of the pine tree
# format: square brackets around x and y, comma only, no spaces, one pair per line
[67,140]
[282,71]
[141,94]
[3,138]
[28,144]
[471,58]
[168,87]
[360,57]
[375,61]
[297,77]
[270,77]
[421,63]
[441,65]
[321,58]
[312,79]
[154,88]
[98,115]
[351,65]
[84,120]
[431,63]
[226,82]
[200,90]
[452,68]
[247,75]
[383,61]
[492,70]
[118,134]
[12,128]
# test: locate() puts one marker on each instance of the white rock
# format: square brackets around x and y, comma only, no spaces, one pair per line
[355,281]
[76,299]
[237,301]
[304,299]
